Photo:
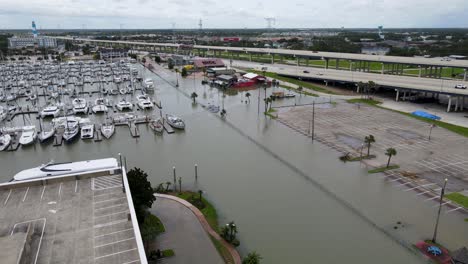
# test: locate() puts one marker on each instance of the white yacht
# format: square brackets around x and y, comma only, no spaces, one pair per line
[80,106]
[124,105]
[28,136]
[100,105]
[3,113]
[175,122]
[57,169]
[50,111]
[107,130]
[144,102]
[149,84]
[157,125]
[87,131]
[5,140]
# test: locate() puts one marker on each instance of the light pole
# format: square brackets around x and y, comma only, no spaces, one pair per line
[438,213]
[430,131]
[360,157]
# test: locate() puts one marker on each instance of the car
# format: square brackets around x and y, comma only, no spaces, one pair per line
[306,72]
[460,86]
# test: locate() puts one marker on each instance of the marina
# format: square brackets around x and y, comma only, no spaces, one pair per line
[66,101]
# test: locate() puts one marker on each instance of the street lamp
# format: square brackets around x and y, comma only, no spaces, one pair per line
[430,131]
[438,213]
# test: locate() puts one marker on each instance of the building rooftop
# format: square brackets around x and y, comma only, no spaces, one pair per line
[80,218]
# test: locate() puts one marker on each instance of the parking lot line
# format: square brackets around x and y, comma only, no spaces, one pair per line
[401,184]
[8,197]
[134,261]
[111,223]
[453,210]
[116,232]
[442,204]
[43,190]
[422,193]
[435,197]
[120,241]
[121,212]
[25,194]
[107,207]
[120,252]
[115,199]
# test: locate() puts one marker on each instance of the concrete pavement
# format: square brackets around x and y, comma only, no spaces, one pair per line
[184,234]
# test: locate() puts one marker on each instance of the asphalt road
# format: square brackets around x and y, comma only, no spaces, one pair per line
[184,234]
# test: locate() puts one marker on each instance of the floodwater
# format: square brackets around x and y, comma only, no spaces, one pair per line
[292,200]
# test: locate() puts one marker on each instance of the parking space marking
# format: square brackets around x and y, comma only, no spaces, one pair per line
[111,223]
[107,207]
[8,197]
[121,212]
[422,193]
[116,232]
[134,261]
[25,194]
[435,197]
[76,185]
[453,210]
[111,243]
[115,199]
[42,233]
[120,252]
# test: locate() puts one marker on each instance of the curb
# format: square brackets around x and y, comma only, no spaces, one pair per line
[235,255]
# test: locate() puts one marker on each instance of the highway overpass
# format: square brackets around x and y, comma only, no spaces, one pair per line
[431,67]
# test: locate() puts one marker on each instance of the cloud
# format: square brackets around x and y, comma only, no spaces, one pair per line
[234,13]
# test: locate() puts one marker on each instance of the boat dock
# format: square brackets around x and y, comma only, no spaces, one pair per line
[58,138]
[97,133]
[167,127]
[134,131]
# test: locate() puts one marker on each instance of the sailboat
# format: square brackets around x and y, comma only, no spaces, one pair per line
[5,140]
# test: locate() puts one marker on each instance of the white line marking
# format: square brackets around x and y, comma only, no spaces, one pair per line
[76,185]
[412,188]
[42,234]
[110,200]
[111,214]
[442,204]
[435,197]
[422,193]
[394,180]
[116,253]
[102,194]
[458,208]
[8,197]
[116,232]
[60,190]
[404,184]
[42,194]
[25,194]
[112,206]
[108,244]
[427,184]
[111,223]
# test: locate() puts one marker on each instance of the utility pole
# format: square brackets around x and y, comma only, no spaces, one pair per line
[175,182]
[442,192]
[313,120]
[196,172]
[430,131]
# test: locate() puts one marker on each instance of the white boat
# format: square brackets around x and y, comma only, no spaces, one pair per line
[80,106]
[50,111]
[124,105]
[123,91]
[157,125]
[100,105]
[175,122]
[71,129]
[28,136]
[107,130]
[87,131]
[45,135]
[5,140]
[3,113]
[69,168]
[144,102]
[117,79]
[149,84]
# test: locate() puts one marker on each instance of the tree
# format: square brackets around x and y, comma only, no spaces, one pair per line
[143,60]
[157,59]
[369,140]
[142,192]
[252,258]
[194,96]
[168,183]
[170,64]
[184,72]
[390,152]
[299,89]
[248,96]
[149,229]
[200,193]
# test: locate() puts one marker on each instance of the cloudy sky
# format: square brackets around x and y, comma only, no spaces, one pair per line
[232,13]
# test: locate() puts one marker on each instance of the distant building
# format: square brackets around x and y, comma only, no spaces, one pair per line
[113,53]
[31,42]
[201,63]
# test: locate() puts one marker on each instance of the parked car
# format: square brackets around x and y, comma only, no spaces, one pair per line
[306,72]
[460,86]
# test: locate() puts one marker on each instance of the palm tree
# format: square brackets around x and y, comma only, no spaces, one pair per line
[390,152]
[252,258]
[194,95]
[248,96]
[177,78]
[167,185]
[361,86]
[272,99]
[371,86]
[369,140]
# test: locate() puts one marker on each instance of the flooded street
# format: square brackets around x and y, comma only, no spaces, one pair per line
[290,198]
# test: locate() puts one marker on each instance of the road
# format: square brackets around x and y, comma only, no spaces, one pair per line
[396,81]
[184,234]
[302,53]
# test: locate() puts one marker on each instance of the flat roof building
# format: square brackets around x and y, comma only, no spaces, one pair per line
[27,42]
[85,216]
